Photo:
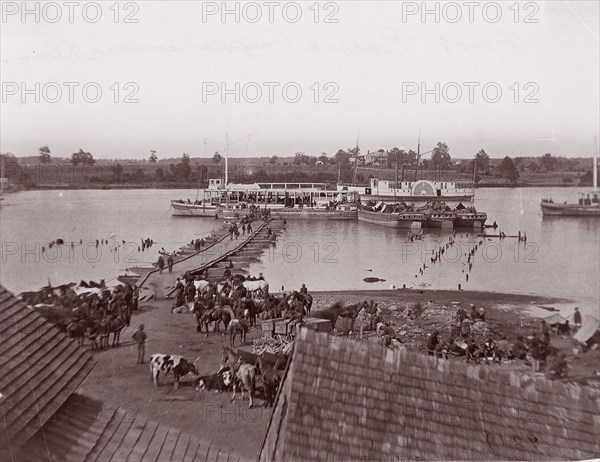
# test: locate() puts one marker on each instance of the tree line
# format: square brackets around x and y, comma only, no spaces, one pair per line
[346,165]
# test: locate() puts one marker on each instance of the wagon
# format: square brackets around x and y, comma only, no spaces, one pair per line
[279,326]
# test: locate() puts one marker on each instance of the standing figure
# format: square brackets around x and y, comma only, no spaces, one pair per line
[140,338]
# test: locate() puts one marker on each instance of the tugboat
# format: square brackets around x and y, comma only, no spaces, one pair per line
[587,206]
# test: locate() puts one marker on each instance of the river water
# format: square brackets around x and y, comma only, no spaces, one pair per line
[561,256]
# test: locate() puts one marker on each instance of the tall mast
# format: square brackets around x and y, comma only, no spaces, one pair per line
[226,158]
[355,159]
[418,156]
[595,164]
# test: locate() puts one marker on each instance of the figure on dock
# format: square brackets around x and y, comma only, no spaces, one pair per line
[170,263]
[140,338]
[160,263]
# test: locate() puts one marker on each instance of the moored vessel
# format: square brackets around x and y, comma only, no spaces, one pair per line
[588,204]
[391,216]
[414,193]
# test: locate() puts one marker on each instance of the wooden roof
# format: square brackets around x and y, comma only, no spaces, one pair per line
[39,369]
[345,400]
[85,430]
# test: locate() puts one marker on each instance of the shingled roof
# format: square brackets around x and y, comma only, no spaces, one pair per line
[39,369]
[345,400]
[85,430]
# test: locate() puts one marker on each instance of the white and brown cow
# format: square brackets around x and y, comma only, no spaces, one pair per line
[170,364]
[219,382]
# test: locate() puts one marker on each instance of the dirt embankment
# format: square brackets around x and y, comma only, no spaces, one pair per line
[118,379]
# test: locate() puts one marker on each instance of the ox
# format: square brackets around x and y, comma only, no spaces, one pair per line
[170,364]
[220,382]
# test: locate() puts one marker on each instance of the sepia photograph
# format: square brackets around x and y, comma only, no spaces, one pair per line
[272,231]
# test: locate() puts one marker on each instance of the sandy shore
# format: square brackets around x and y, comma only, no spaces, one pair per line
[118,379]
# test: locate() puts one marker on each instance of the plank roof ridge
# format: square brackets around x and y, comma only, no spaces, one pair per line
[104,437]
[139,421]
[152,427]
[46,384]
[114,443]
[11,322]
[52,405]
[38,366]
[47,336]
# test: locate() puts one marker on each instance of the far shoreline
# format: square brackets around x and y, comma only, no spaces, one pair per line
[125,186]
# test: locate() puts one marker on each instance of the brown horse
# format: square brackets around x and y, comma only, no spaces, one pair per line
[216,315]
[333,312]
[271,379]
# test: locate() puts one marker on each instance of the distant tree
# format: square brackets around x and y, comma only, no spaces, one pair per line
[483,161]
[9,168]
[160,173]
[411,157]
[45,155]
[548,162]
[153,158]
[273,160]
[300,158]
[117,170]
[323,158]
[183,168]
[82,157]
[440,157]
[507,170]
[217,158]
[342,159]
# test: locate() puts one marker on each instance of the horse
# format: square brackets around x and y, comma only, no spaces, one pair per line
[254,286]
[76,330]
[244,374]
[216,315]
[198,310]
[237,326]
[93,332]
[305,299]
[271,379]
[250,311]
[111,326]
[333,312]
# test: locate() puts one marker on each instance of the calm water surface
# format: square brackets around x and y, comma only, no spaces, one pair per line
[561,257]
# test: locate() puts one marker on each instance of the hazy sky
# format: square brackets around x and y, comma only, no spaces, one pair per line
[371,65]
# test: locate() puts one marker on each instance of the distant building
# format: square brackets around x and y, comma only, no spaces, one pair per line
[343,400]
[376,159]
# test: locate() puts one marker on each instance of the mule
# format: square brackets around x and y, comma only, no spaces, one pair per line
[244,374]
[237,326]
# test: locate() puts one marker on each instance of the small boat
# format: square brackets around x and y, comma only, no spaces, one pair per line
[470,219]
[588,204]
[442,219]
[391,216]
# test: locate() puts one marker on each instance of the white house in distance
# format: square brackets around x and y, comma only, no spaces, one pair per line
[376,158]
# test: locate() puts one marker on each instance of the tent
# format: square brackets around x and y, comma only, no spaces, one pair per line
[555,319]
[590,330]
